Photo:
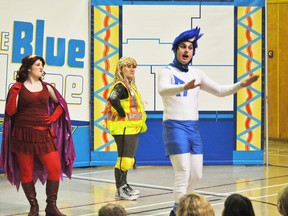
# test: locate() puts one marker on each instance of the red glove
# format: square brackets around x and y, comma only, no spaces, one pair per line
[57,113]
[11,106]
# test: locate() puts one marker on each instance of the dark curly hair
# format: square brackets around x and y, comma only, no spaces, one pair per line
[238,205]
[27,63]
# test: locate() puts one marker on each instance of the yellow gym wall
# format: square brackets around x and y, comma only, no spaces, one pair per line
[277,69]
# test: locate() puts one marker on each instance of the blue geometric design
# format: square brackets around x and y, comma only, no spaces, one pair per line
[96,123]
[115,52]
[97,65]
[145,39]
[101,90]
[258,66]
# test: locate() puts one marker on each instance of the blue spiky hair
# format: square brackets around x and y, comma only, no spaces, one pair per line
[191,35]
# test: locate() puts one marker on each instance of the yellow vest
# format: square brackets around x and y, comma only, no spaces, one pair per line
[134,122]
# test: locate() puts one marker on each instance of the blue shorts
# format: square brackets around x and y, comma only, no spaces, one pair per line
[182,137]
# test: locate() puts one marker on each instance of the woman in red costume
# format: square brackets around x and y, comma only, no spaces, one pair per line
[37,140]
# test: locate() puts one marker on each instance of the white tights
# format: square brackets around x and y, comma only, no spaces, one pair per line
[187,173]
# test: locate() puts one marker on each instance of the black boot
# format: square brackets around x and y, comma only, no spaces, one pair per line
[29,190]
[172,213]
[119,177]
[51,192]
[125,176]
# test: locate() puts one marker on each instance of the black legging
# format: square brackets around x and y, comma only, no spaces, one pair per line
[126,145]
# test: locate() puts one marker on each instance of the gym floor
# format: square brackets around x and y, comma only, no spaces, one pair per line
[93,187]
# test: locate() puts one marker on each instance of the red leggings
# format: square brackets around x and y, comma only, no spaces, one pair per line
[50,161]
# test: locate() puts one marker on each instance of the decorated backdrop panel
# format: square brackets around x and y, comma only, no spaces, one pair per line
[231,49]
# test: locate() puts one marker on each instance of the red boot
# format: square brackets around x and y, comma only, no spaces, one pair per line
[29,190]
[51,192]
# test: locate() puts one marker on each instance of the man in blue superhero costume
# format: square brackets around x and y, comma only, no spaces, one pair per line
[179,85]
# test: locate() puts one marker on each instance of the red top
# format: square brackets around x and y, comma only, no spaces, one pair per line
[30,131]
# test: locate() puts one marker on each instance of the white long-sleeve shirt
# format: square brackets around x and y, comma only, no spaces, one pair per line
[183,105]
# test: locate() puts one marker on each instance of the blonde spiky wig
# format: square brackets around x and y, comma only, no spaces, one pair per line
[124,61]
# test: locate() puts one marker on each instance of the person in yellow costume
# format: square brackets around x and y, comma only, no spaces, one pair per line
[125,121]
